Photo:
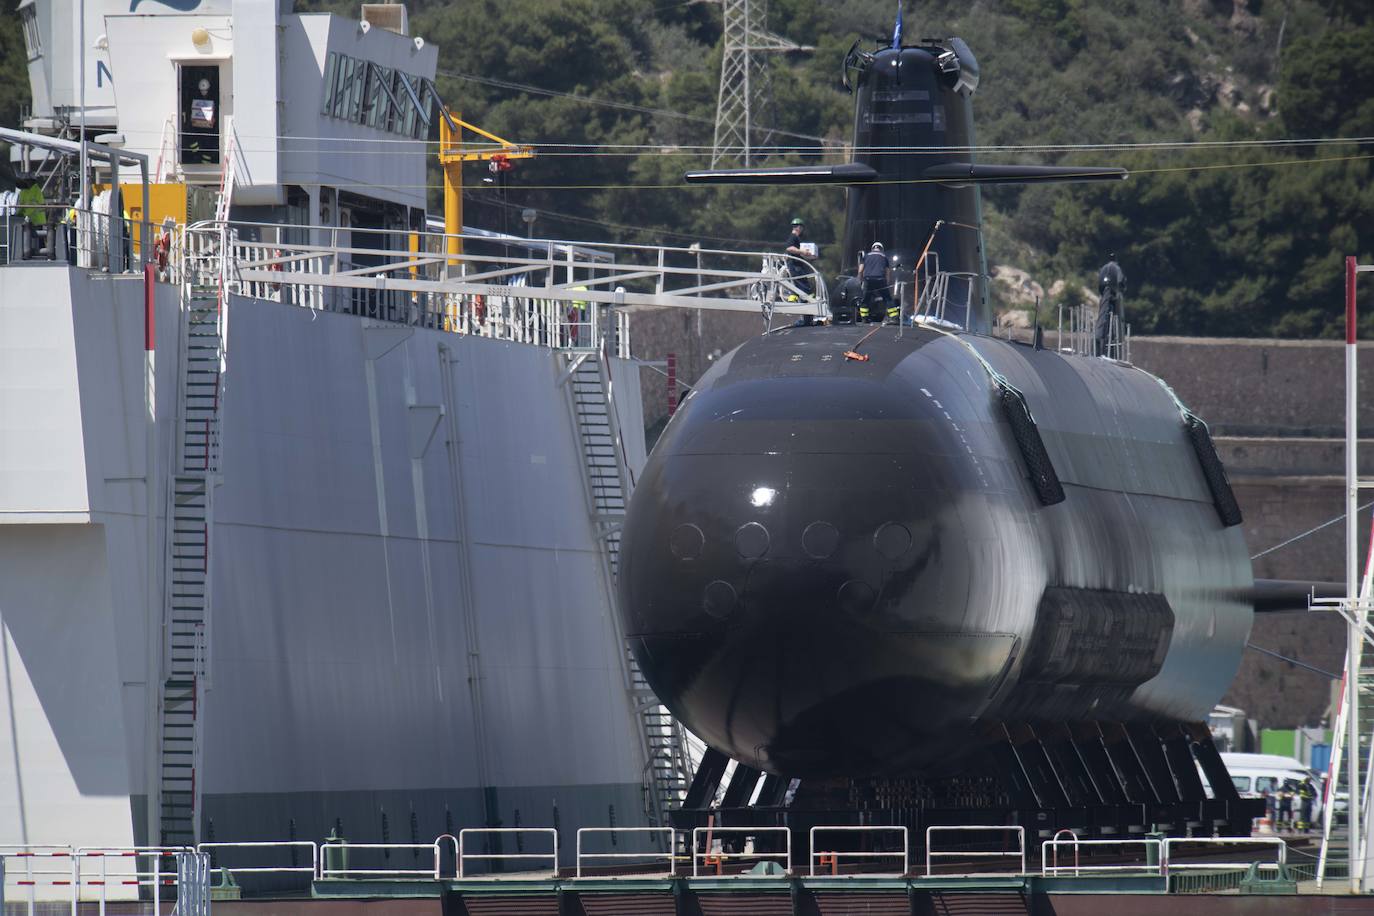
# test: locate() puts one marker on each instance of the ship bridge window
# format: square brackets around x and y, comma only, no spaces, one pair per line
[33,42]
[377,97]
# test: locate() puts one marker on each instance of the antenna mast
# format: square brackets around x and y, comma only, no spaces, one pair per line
[744,80]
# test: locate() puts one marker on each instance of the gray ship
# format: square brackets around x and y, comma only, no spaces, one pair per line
[385,467]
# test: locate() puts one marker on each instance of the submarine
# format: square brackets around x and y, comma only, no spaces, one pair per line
[916,550]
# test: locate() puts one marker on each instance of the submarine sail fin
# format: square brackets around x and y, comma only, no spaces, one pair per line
[962,174]
[848,173]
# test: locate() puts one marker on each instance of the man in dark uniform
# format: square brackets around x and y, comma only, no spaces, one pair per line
[793,246]
[874,270]
[845,304]
[1111,284]
[1307,795]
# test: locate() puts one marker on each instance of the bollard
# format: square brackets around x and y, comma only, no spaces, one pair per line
[1153,850]
[335,855]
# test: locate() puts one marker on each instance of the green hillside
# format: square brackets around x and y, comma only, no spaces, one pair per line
[1230,242]
[621,95]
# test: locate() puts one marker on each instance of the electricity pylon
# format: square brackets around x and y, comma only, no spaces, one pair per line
[744,80]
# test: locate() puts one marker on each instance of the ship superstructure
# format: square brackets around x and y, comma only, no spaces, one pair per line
[385,481]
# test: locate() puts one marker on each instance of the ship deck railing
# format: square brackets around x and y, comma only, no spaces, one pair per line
[709,849]
[718,856]
[491,837]
[963,853]
[559,294]
[62,233]
[585,860]
[41,874]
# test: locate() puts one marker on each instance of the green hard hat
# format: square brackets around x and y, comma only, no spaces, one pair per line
[798,221]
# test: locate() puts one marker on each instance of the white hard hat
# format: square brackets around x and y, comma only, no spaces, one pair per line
[877,246]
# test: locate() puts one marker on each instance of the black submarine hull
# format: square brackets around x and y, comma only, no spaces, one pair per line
[843,568]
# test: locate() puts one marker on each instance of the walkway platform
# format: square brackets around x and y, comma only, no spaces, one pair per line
[1121,895]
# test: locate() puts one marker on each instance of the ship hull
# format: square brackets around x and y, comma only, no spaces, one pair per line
[409,631]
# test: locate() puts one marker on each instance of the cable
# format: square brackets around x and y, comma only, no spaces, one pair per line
[1298,537]
[683,185]
[592,221]
[609,103]
[1293,661]
[563,148]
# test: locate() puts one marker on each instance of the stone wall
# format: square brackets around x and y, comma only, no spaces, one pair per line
[1277,411]
[698,337]
[1260,387]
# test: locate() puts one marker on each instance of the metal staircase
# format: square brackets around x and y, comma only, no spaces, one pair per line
[609,484]
[192,481]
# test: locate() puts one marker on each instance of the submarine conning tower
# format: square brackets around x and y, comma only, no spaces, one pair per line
[913,184]
[913,110]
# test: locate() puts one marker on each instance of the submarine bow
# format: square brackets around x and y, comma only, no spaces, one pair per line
[834,567]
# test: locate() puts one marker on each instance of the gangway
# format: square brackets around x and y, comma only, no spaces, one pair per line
[498,289]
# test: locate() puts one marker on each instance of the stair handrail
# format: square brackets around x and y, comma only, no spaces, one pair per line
[1334,768]
[227,175]
[197,727]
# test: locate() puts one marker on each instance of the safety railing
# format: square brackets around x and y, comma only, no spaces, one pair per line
[620,856]
[105,875]
[66,234]
[216,852]
[932,288]
[704,854]
[119,873]
[550,292]
[1019,853]
[1050,865]
[499,858]
[505,307]
[1078,333]
[335,861]
[832,857]
[1173,843]
[41,873]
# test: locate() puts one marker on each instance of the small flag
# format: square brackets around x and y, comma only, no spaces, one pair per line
[897,29]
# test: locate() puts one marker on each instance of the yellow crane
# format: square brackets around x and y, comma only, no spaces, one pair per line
[453,152]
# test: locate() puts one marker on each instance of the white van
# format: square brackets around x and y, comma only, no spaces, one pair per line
[1256,774]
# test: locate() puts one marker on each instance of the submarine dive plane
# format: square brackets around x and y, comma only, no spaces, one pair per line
[917,553]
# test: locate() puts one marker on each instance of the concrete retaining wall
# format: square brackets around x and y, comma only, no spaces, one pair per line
[1260,387]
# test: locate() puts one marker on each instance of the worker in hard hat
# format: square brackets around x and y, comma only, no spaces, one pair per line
[875,270]
[802,278]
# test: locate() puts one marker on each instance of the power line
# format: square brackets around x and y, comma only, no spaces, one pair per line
[593,100]
[577,97]
[591,221]
[553,148]
[683,185]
